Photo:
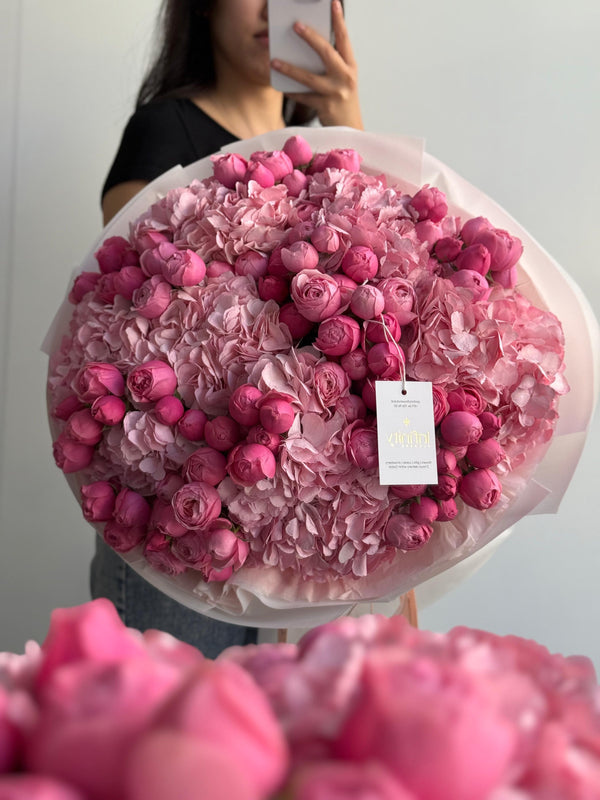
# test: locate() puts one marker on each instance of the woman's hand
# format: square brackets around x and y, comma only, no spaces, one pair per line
[333,95]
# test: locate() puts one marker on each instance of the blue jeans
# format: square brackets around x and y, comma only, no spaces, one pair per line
[142,606]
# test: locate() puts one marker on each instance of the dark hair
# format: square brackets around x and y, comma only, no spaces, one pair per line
[183,60]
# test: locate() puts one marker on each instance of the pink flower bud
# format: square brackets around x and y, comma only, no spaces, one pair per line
[150,381]
[300,232]
[330,383]
[249,463]
[446,462]
[490,423]
[448,510]
[325,238]
[440,403]
[71,456]
[66,407]
[480,489]
[145,238]
[369,395]
[152,298]
[461,428]
[424,511]
[166,488]
[476,283]
[222,433]
[408,491]
[507,277]
[128,280]
[229,168]
[367,302]
[404,533]
[276,266]
[192,424]
[399,298]
[276,413]
[169,410]
[205,465]
[475,257]
[355,364]
[258,435]
[338,336]
[131,509]
[377,329]
[196,505]
[225,554]
[352,407]
[338,158]
[316,295]
[151,261]
[105,288]
[123,538]
[243,404]
[97,501]
[296,182]
[466,398]
[447,248]
[299,256]
[251,264]
[216,268]
[273,287]
[386,360]
[164,521]
[259,173]
[181,267]
[114,253]
[485,453]
[83,428]
[505,250]
[428,232]
[96,379]
[361,445]
[429,203]
[85,282]
[360,263]
[298,150]
[277,162]
[347,288]
[297,324]
[108,410]
[472,228]
[447,485]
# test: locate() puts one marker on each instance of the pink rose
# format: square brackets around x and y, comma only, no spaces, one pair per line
[485,453]
[428,232]
[164,521]
[105,288]
[447,248]
[476,283]
[85,282]
[252,264]
[505,250]
[128,280]
[181,267]
[192,424]
[222,433]
[447,510]
[166,488]
[386,360]
[361,445]
[347,288]
[405,533]
[447,485]
[131,509]
[160,556]
[338,336]
[108,410]
[466,398]
[97,501]
[367,302]
[297,324]
[440,403]
[260,173]
[229,168]
[96,379]
[352,407]
[243,404]
[480,489]
[382,330]
[331,382]
[277,162]
[123,538]
[276,413]
[490,424]
[301,231]
[474,257]
[216,268]
[355,364]
[473,227]
[507,277]
[225,552]
[369,394]
[150,381]
[316,295]
[446,462]
[325,238]
[298,150]
[205,465]
[169,410]
[146,238]
[258,435]
[338,158]
[114,253]
[152,298]
[296,182]
[360,263]
[299,255]
[408,491]
[276,265]
[429,203]
[82,427]
[66,407]
[399,298]
[71,456]
[461,428]
[273,287]
[425,510]
[249,463]
[196,504]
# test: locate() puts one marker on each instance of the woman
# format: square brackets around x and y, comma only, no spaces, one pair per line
[209,86]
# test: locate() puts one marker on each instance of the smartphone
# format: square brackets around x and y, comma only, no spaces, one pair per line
[286,45]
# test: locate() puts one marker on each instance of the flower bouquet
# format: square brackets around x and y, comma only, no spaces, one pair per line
[361,708]
[214,382]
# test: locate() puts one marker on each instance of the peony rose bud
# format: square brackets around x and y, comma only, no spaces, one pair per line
[428,232]
[330,383]
[258,435]
[105,288]
[276,266]
[252,264]
[169,410]
[182,267]
[192,424]
[196,505]
[404,533]
[355,364]
[429,203]
[424,511]
[461,428]
[361,445]
[160,556]
[360,263]
[114,253]
[485,453]
[205,465]
[297,324]
[377,329]
[338,336]
[342,158]
[367,302]
[315,295]
[146,238]
[447,485]
[150,381]
[399,298]
[249,463]
[71,456]
[276,413]
[300,232]
[296,182]
[123,538]
[480,489]
[408,491]
[325,238]
[259,173]
[222,433]
[447,248]
[83,428]
[66,407]
[151,261]
[298,150]
[166,488]
[446,462]
[131,509]
[475,257]
[466,398]
[448,510]
[96,379]
[85,282]
[108,410]
[352,407]
[347,288]
[97,501]
[243,404]
[299,255]
[476,283]
[386,360]
[152,298]
[216,268]
[273,287]
[277,162]
[369,395]
[164,521]
[490,423]
[128,280]
[505,250]
[473,227]
[440,403]
[229,168]
[507,277]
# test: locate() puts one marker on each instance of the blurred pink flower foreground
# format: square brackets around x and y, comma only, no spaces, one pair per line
[361,709]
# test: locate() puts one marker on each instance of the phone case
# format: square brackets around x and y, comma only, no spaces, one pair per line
[286,45]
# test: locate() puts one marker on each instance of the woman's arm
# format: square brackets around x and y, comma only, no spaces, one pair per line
[115,198]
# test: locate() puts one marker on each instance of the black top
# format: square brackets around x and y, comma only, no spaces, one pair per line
[161,135]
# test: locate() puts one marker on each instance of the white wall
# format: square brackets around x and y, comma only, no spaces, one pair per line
[507,95]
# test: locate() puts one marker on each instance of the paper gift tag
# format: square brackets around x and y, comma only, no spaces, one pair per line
[405,433]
